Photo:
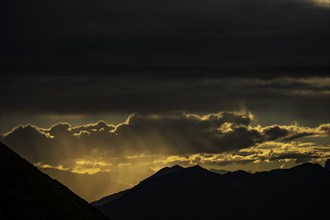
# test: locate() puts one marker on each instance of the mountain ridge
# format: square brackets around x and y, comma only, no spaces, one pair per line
[327,164]
[300,192]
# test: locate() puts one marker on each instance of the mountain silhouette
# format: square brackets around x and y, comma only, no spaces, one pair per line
[301,192]
[115,196]
[109,198]
[27,193]
[327,164]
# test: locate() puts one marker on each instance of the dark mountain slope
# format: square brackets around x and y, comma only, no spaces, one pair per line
[327,164]
[301,192]
[27,193]
[115,196]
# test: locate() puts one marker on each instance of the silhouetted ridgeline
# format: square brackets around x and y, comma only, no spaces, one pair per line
[327,164]
[301,192]
[27,193]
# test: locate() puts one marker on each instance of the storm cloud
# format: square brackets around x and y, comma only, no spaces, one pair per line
[165,38]
[171,133]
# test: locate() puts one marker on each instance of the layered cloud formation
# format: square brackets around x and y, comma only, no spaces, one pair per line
[155,138]
[277,100]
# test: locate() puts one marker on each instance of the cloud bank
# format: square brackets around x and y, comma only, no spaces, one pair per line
[214,137]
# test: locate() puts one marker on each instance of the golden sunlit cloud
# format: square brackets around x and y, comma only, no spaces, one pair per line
[90,166]
[47,166]
[82,165]
[223,140]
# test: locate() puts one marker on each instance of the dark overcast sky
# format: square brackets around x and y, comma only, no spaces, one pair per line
[119,57]
[165,37]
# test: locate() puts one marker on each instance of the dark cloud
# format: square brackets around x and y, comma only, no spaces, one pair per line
[165,38]
[296,156]
[31,142]
[272,133]
[172,133]
[295,136]
[61,129]
[325,128]
[182,133]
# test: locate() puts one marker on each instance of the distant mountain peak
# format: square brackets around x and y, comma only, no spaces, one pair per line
[167,170]
[197,168]
[176,167]
[238,173]
[327,164]
[308,166]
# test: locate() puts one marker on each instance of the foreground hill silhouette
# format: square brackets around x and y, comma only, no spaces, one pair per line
[27,193]
[301,192]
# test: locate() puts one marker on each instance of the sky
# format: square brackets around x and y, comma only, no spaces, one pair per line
[109,86]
